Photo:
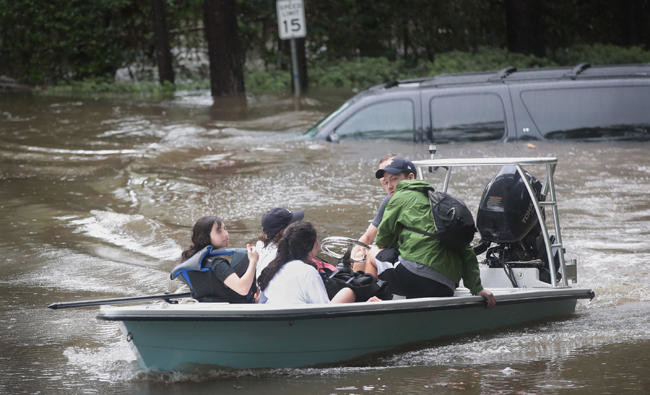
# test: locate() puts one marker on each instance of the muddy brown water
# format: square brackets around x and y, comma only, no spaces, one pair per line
[97,198]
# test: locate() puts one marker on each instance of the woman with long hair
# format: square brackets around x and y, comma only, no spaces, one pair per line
[202,233]
[211,231]
[292,277]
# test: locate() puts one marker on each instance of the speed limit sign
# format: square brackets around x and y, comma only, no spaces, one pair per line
[291,19]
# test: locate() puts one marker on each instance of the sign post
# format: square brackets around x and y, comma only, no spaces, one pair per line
[291,25]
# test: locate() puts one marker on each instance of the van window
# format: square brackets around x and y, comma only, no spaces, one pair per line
[390,119]
[586,113]
[472,117]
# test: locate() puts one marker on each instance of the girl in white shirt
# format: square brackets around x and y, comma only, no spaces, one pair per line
[289,278]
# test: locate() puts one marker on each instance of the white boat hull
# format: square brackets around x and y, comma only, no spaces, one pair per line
[183,336]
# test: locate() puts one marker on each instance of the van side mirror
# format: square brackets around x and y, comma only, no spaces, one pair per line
[333,137]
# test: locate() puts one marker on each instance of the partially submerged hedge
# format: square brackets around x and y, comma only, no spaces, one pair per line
[363,72]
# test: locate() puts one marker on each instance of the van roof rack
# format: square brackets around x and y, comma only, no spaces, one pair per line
[391,84]
[573,74]
[511,74]
[394,83]
[503,73]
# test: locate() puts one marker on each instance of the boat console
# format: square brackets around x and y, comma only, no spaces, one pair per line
[511,221]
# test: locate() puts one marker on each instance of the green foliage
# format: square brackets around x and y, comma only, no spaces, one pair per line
[257,28]
[602,54]
[416,29]
[350,43]
[106,87]
[272,80]
[354,73]
[43,42]
[364,72]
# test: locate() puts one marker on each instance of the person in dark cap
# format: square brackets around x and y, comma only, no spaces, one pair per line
[420,266]
[398,169]
[392,170]
[274,222]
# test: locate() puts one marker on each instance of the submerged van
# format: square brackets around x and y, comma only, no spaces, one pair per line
[583,102]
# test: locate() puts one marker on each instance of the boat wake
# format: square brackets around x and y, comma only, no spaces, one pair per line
[110,362]
[556,340]
[134,233]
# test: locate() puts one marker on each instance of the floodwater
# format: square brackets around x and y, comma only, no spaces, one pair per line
[98,196]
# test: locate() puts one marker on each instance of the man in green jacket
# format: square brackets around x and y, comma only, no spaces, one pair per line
[424,267]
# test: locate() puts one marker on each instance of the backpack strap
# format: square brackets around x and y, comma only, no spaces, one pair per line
[429,194]
[432,235]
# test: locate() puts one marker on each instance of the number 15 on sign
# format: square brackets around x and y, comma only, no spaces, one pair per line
[291,19]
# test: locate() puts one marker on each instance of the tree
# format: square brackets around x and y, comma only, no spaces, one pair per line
[226,71]
[161,42]
[634,20]
[50,42]
[524,27]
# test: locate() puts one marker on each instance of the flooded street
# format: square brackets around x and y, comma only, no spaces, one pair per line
[98,196]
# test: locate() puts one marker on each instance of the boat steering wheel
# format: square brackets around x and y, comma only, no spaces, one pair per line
[340,247]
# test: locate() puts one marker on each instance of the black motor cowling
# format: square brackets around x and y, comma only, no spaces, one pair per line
[506,213]
[506,216]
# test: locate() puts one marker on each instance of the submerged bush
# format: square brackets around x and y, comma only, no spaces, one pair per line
[363,72]
[107,87]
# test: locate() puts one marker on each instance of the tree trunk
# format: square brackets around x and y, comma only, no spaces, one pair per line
[406,42]
[226,71]
[632,22]
[524,26]
[161,41]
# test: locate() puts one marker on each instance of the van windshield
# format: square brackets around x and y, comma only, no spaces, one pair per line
[613,112]
[314,129]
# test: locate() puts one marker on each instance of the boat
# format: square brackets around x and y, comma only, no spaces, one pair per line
[530,285]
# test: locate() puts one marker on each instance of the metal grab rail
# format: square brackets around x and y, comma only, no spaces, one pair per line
[550,164]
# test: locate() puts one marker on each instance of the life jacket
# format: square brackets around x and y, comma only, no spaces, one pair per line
[321,266]
[204,284]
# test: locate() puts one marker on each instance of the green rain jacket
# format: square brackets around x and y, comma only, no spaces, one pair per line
[409,206]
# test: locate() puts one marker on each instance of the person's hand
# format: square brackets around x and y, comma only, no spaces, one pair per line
[358,253]
[373,299]
[489,298]
[253,256]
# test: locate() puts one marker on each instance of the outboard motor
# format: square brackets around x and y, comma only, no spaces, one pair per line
[506,213]
[506,216]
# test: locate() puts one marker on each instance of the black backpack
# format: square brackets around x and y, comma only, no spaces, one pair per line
[454,222]
[363,285]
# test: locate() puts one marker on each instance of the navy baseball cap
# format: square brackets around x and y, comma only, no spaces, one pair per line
[278,218]
[396,166]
